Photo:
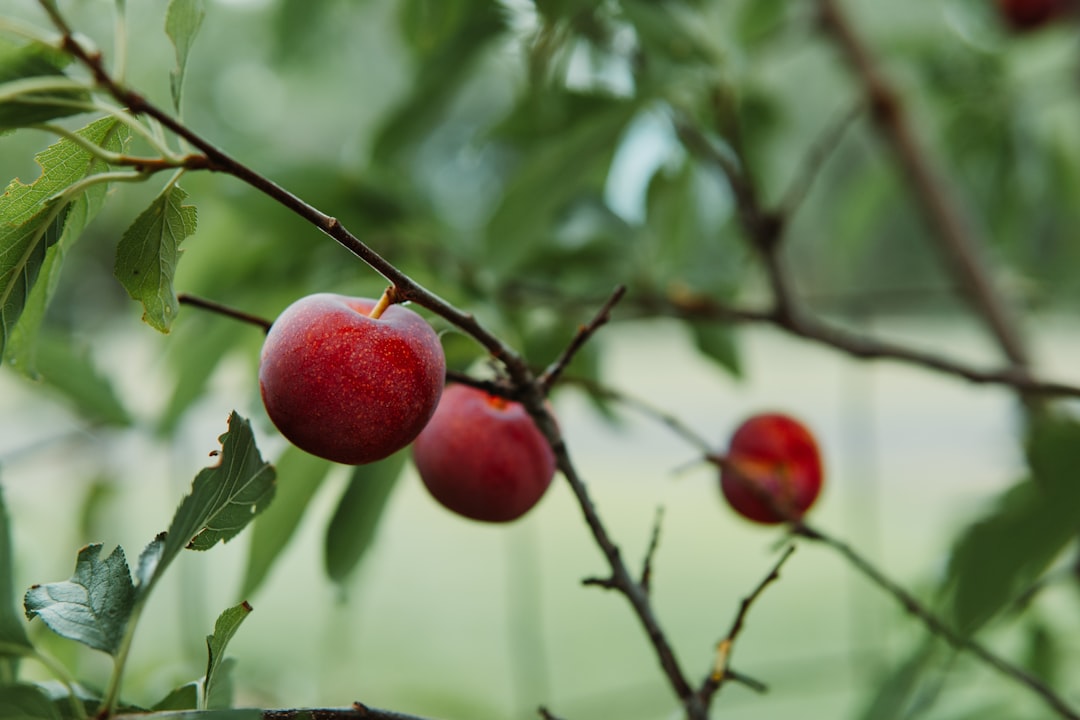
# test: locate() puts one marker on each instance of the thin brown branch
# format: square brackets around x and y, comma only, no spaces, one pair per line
[749,600]
[958,242]
[861,346]
[605,583]
[224,310]
[939,627]
[721,669]
[551,375]
[491,387]
[650,553]
[621,579]
[753,683]
[544,713]
[815,159]
[763,228]
[645,408]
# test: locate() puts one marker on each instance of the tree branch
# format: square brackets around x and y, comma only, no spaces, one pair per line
[721,671]
[622,581]
[650,553]
[224,310]
[937,626]
[551,375]
[862,347]
[957,241]
[816,157]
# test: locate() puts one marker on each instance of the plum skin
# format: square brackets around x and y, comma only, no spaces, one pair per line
[482,457]
[773,469]
[347,387]
[1026,15]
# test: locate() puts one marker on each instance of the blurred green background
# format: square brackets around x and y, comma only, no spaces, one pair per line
[519,159]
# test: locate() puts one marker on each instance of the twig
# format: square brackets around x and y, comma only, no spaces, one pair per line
[650,553]
[621,581]
[808,327]
[230,312]
[763,228]
[551,375]
[938,626]
[492,387]
[749,600]
[721,671]
[645,408]
[544,713]
[754,684]
[962,250]
[816,157]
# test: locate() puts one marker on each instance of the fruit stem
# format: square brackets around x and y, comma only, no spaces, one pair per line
[389,297]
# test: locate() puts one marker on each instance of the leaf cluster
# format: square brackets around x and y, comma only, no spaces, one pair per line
[100,605]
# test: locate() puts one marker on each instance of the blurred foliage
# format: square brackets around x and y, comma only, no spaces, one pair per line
[520,159]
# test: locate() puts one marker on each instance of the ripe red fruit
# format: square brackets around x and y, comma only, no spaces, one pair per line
[772,472]
[482,457]
[346,386]
[1024,15]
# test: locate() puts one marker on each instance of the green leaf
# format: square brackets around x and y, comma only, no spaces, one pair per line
[685,228]
[224,629]
[20,66]
[94,606]
[671,33]
[563,161]
[1002,554]
[1044,652]
[182,22]
[12,629]
[33,217]
[717,342]
[26,702]
[299,476]
[196,352]
[356,519]
[110,134]
[185,697]
[148,252]
[220,695]
[894,695]
[760,20]
[447,35]
[224,498]
[71,372]
[227,714]
[146,570]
